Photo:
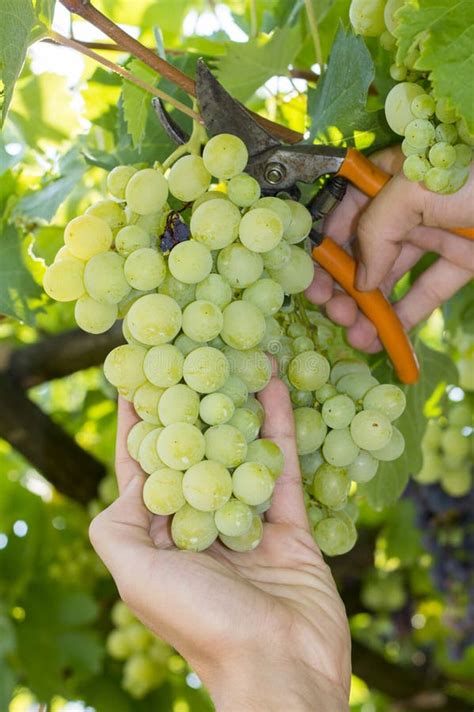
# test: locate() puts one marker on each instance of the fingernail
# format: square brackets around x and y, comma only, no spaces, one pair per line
[361,276]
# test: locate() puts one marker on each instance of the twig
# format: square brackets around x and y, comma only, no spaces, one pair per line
[313,25]
[66,42]
[253,18]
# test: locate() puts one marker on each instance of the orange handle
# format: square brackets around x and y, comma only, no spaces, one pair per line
[375,306]
[371,179]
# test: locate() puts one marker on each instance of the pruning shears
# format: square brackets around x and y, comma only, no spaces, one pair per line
[278,167]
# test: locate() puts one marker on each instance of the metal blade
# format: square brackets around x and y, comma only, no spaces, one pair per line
[174,131]
[224,114]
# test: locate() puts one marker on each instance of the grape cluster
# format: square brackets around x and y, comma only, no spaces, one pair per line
[437,143]
[205,291]
[145,656]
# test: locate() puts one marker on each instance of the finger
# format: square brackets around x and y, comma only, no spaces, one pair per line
[342,309]
[288,502]
[454,248]
[321,288]
[125,466]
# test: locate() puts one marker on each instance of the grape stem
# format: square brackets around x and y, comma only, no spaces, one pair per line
[197,139]
[313,26]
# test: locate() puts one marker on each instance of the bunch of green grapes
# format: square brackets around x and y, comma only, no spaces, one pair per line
[75,563]
[448,448]
[205,292]
[146,658]
[437,142]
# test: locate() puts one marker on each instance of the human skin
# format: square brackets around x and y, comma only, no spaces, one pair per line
[265,629]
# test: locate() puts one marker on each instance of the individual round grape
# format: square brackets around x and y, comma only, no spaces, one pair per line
[337,412]
[146,191]
[266,294]
[367,17]
[104,278]
[301,398]
[207,486]
[136,436]
[86,236]
[190,262]
[456,482]
[267,453]
[371,430]
[124,366]
[243,190]
[202,320]
[147,452]
[192,529]
[163,365]
[121,615]
[457,177]
[387,399]
[145,269]
[236,389]
[356,385]
[154,319]
[65,254]
[331,485]
[130,298]
[326,391]
[416,167]
[252,483]
[239,266]
[463,155]
[256,407]
[140,675]
[398,72]
[117,645]
[310,430]
[109,211]
[163,491]
[297,274]
[363,468]
[127,334]
[117,180]
[178,404]
[64,280]
[464,133]
[437,179]
[215,223]
[138,636]
[248,541]
[393,449]
[154,223]
[206,369]
[181,445]
[447,133]
[131,238]
[182,293]
[145,401]
[423,106]
[442,155]
[234,518]
[300,223]
[251,366]
[420,133]
[339,448]
[277,206]
[271,340]
[278,257]
[445,111]
[260,230]
[334,535]
[215,289]
[216,408]
[188,178]
[454,443]
[244,325]
[225,156]
[398,105]
[308,371]
[391,7]
[210,194]
[247,422]
[409,150]
[225,444]
[345,366]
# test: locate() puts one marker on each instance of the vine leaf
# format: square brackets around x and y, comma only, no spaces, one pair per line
[18,290]
[17,22]
[136,101]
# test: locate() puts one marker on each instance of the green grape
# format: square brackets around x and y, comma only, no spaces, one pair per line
[398,106]
[416,167]
[300,223]
[331,485]
[86,236]
[367,17]
[393,449]
[266,294]
[339,449]
[308,371]
[456,482]
[234,518]
[277,258]
[256,407]
[301,398]
[154,319]
[225,444]
[117,180]
[334,535]
[236,389]
[207,486]
[239,266]
[163,491]
[460,414]
[447,133]
[371,430]
[211,194]
[64,280]
[65,254]
[205,370]
[454,443]
[131,238]
[252,483]
[190,262]
[110,212]
[139,638]
[302,344]
[140,675]
[297,274]
[178,404]
[437,179]
[145,269]
[180,445]
[464,134]
[363,468]
[420,133]
[463,155]
[310,430]
[277,206]
[146,191]
[202,320]
[309,464]
[147,452]
[442,155]
[423,106]
[247,422]
[188,178]
[215,224]
[154,223]
[457,177]
[163,365]
[386,398]
[135,437]
[184,344]
[346,366]
[409,150]
[387,40]
[104,278]
[390,19]
[123,366]
[326,391]
[398,72]
[356,385]
[124,305]
[243,190]
[338,411]
[267,453]
[121,615]
[431,470]
[244,325]
[248,541]
[216,408]
[192,529]
[145,401]
[261,229]
[445,112]
[182,293]
[215,289]
[251,366]
[225,156]
[271,339]
[118,645]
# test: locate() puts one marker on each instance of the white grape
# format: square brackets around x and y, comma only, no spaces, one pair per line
[179,404]
[239,266]
[207,486]
[131,238]
[339,448]
[398,105]
[225,156]
[117,180]
[192,529]
[145,269]
[260,229]
[104,278]
[202,320]
[225,444]
[145,401]
[206,369]
[215,289]
[109,211]
[252,483]
[215,224]
[297,274]
[154,319]
[234,518]
[163,491]
[248,541]
[243,325]
[64,280]
[124,366]
[86,236]
[243,190]
[163,365]
[386,398]
[146,191]
[181,445]
[188,178]
[190,262]
[371,430]
[367,17]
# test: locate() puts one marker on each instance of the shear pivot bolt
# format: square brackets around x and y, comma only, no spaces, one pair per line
[274,173]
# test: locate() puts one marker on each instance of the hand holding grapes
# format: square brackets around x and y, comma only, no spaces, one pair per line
[263,629]
[393,231]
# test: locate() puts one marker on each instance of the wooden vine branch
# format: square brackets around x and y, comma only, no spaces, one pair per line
[88,12]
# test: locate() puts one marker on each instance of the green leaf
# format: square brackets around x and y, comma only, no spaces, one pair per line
[247,66]
[17,20]
[7,684]
[45,10]
[18,290]
[402,536]
[136,101]
[338,105]
[444,32]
